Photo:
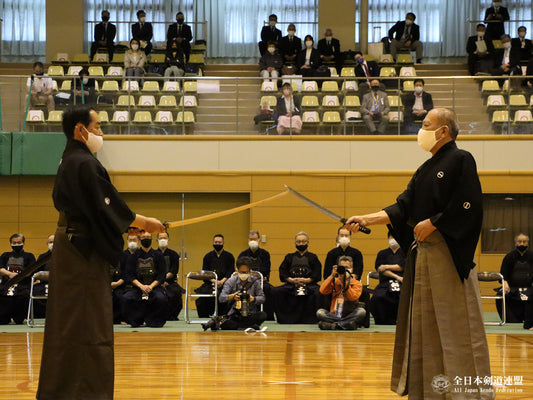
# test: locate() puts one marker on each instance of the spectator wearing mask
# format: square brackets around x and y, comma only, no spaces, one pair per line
[366,70]
[495,16]
[290,46]
[14,300]
[330,49]
[505,61]
[417,103]
[174,59]
[269,33]
[89,88]
[134,60]
[173,290]
[384,302]
[288,109]
[143,32]
[406,34]
[480,51]
[118,283]
[345,312]
[309,58]
[104,35]
[521,46]
[271,63]
[42,87]
[375,109]
[182,33]
[343,248]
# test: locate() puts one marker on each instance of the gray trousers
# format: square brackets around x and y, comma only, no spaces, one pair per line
[357,315]
[382,125]
[415,46]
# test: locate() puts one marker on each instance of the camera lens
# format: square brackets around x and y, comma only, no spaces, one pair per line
[341,270]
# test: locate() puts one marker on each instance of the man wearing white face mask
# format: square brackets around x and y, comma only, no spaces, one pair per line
[290,45]
[173,290]
[406,34]
[330,49]
[521,46]
[384,302]
[506,62]
[344,249]
[494,18]
[143,32]
[269,33]
[416,105]
[118,285]
[440,327]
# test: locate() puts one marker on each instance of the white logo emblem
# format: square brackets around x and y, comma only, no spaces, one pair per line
[440,174]
[107,201]
[466,205]
[441,384]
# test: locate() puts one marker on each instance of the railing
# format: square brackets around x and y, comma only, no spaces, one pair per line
[228,105]
[511,26]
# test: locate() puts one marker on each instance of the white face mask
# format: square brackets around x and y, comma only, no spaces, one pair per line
[426,139]
[85,81]
[134,46]
[50,246]
[344,241]
[308,44]
[522,34]
[419,89]
[271,50]
[393,244]
[243,277]
[506,45]
[132,246]
[408,22]
[253,245]
[93,142]
[163,243]
[142,19]
[291,33]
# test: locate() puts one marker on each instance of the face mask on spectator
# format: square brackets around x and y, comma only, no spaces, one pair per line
[426,139]
[308,44]
[243,277]
[481,33]
[218,247]
[17,248]
[419,89]
[180,21]
[142,19]
[272,22]
[132,246]
[344,241]
[409,22]
[301,247]
[105,18]
[393,244]
[134,46]
[50,246]
[521,248]
[253,245]
[360,60]
[375,88]
[271,50]
[146,243]
[85,81]
[163,243]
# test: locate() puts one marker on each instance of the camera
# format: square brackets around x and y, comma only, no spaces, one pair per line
[341,270]
[244,296]
[243,305]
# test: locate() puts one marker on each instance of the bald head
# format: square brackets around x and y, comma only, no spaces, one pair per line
[447,117]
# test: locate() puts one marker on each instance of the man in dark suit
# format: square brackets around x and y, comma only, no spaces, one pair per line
[104,35]
[330,49]
[290,45]
[416,105]
[505,61]
[521,46]
[181,32]
[143,32]
[406,34]
[365,69]
[494,18]
[269,33]
[480,52]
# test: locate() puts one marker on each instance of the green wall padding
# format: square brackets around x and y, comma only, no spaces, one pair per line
[5,153]
[36,153]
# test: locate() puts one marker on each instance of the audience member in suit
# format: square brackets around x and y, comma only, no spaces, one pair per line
[104,35]
[181,32]
[479,61]
[330,49]
[375,108]
[505,61]
[365,69]
[288,109]
[143,32]
[308,58]
[134,60]
[494,18]
[269,33]
[521,46]
[290,46]
[406,34]
[417,103]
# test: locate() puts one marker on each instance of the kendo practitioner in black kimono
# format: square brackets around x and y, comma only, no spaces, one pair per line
[296,300]
[14,300]
[384,302]
[517,271]
[173,290]
[223,263]
[145,300]
[118,283]
[440,327]
[78,360]
[40,287]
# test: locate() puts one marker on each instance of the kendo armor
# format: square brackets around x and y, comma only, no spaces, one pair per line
[145,270]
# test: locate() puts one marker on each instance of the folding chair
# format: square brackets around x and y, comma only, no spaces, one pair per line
[41,276]
[200,276]
[494,277]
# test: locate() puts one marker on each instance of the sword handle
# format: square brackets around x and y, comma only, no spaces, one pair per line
[362,229]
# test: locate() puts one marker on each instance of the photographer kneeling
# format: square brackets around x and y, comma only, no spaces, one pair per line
[345,313]
[244,294]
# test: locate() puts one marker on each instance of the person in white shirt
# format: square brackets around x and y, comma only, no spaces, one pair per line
[42,87]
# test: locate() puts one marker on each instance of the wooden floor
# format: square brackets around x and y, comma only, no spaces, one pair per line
[235,365]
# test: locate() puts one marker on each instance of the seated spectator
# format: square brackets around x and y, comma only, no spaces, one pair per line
[118,282]
[417,103]
[14,300]
[343,248]
[243,294]
[104,35]
[182,33]
[329,49]
[406,34]
[288,110]
[505,62]
[143,32]
[269,33]
[222,263]
[384,302]
[174,59]
[495,16]
[517,271]
[145,301]
[375,109]
[345,312]
[365,69]
[309,58]
[271,63]
[521,46]
[89,88]
[172,288]
[42,87]
[480,51]
[134,60]
[290,46]
[295,301]
[40,288]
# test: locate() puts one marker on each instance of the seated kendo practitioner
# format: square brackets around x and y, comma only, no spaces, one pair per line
[40,287]
[145,300]
[173,290]
[14,300]
[296,300]
[116,272]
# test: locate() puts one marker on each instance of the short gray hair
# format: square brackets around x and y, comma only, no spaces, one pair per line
[521,234]
[252,232]
[345,258]
[301,233]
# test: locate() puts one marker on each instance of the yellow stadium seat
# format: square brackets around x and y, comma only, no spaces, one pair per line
[62,58]
[126,101]
[146,101]
[188,101]
[408,86]
[190,86]
[310,101]
[100,58]
[115,71]
[351,102]
[490,86]
[517,100]
[121,117]
[395,101]
[150,86]
[74,70]
[130,86]
[309,86]
[185,117]
[497,44]
[171,86]
[56,70]
[157,59]
[268,86]
[81,58]
[495,100]
[352,116]
[523,116]
[167,101]
[500,116]
[407,71]
[348,71]
[387,72]
[66,85]
[55,116]
[386,59]
[349,86]
[310,117]
[404,59]
[330,86]
[271,100]
[142,117]
[96,71]
[104,117]
[331,117]
[196,59]
[163,117]
[330,101]
[110,86]
[35,116]
[118,58]
[396,116]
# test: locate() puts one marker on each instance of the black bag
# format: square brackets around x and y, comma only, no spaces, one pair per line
[323,72]
[192,69]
